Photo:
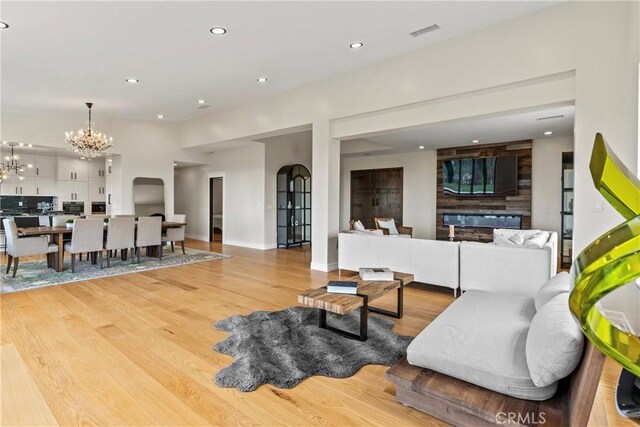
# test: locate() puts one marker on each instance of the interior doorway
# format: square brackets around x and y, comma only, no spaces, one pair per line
[215,209]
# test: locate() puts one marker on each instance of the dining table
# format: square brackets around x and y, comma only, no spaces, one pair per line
[58,233]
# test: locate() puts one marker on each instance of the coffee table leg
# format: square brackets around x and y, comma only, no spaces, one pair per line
[395,314]
[364,316]
[322,318]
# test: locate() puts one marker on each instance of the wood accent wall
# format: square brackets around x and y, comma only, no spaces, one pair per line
[513,205]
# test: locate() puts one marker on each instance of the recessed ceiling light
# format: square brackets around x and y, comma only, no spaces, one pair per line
[3,25]
[4,142]
[160,116]
[21,144]
[356,45]
[30,145]
[132,81]
[218,31]
[548,132]
[175,164]
[201,101]
[421,147]
[261,79]
[475,141]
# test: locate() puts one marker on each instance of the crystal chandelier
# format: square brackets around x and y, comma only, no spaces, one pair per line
[88,143]
[12,164]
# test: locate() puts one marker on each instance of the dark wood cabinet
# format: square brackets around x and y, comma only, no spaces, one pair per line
[376,193]
[294,206]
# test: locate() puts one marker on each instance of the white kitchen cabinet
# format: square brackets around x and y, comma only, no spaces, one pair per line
[28,160]
[19,187]
[72,191]
[97,189]
[45,186]
[97,168]
[72,170]
[45,167]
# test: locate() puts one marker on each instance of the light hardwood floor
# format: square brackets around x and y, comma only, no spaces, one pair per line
[137,350]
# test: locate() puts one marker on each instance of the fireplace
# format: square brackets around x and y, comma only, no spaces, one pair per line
[482,220]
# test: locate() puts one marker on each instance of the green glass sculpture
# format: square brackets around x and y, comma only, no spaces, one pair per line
[611,261]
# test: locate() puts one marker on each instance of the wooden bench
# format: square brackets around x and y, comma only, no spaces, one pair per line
[461,403]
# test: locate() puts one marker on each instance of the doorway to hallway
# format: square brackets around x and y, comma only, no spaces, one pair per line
[215,209]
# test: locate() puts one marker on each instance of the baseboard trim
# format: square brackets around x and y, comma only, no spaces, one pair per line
[250,245]
[197,237]
[319,266]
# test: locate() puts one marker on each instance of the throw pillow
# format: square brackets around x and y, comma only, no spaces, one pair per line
[389,225]
[517,238]
[554,342]
[538,240]
[358,226]
[558,284]
[500,240]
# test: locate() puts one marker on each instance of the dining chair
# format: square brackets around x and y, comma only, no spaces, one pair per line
[176,234]
[149,234]
[96,216]
[87,237]
[120,235]
[61,220]
[44,220]
[124,216]
[26,246]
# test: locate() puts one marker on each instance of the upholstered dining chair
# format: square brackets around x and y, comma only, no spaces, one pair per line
[120,235]
[149,234]
[401,229]
[124,216]
[87,237]
[61,220]
[176,234]
[26,246]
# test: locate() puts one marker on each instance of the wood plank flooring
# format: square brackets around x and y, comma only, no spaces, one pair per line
[137,350]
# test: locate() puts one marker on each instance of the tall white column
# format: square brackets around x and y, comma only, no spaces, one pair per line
[325,197]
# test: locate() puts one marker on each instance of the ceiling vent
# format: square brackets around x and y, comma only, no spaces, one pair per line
[425,30]
[559,116]
[203,107]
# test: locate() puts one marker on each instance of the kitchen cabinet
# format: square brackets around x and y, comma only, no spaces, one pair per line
[97,189]
[45,187]
[97,169]
[28,160]
[45,167]
[72,191]
[19,187]
[72,170]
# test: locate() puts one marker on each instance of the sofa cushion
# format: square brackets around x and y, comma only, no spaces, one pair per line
[558,284]
[554,342]
[481,338]
[389,225]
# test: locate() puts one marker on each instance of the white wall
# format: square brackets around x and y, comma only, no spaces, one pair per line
[282,151]
[546,169]
[418,193]
[243,212]
[600,62]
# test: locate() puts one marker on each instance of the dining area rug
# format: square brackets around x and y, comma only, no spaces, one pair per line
[35,274]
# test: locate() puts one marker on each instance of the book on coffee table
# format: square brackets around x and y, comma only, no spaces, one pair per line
[376,274]
[342,287]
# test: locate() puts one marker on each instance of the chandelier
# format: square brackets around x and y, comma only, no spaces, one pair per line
[88,143]
[12,164]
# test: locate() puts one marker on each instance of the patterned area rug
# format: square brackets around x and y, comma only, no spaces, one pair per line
[285,347]
[35,274]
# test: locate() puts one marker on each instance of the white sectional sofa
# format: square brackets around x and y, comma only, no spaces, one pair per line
[430,261]
[467,265]
[496,268]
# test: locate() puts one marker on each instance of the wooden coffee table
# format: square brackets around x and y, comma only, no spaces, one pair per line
[368,291]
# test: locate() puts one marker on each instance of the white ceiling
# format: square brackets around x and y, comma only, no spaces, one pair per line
[58,55]
[515,126]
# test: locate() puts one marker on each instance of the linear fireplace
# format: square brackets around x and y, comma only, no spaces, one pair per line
[482,220]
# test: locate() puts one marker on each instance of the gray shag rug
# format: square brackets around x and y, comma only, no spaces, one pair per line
[284,347]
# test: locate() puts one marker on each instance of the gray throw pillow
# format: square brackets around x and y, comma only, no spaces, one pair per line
[554,342]
[558,284]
